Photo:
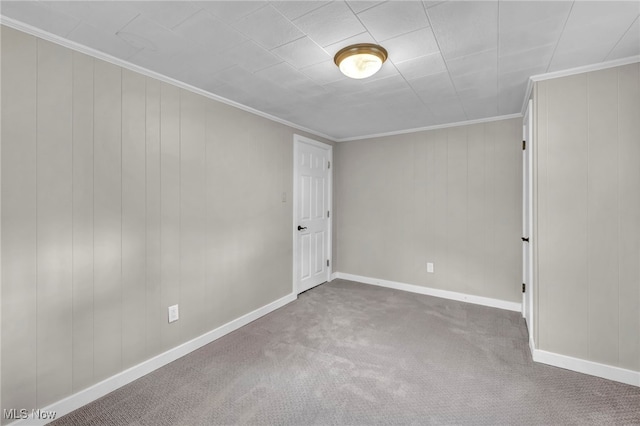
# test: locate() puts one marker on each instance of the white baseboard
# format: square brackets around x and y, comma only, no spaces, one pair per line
[569,363]
[106,386]
[532,345]
[445,294]
[609,372]
[333,276]
[77,400]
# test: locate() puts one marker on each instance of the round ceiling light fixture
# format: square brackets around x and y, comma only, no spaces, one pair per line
[360,60]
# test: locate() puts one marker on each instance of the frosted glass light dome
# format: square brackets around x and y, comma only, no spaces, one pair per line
[360,60]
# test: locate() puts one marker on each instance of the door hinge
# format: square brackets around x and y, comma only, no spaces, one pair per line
[328,164]
[327,262]
[328,213]
[524,145]
[524,287]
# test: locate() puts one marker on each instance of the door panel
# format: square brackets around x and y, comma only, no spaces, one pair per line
[305,259]
[305,197]
[527,221]
[311,221]
[319,251]
[319,197]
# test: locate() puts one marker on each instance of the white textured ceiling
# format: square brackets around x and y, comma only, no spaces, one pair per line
[448,61]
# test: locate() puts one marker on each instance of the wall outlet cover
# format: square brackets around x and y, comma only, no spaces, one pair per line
[174,314]
[430,267]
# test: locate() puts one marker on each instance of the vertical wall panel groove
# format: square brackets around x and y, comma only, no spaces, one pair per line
[54,222]
[170,209]
[192,213]
[491,225]
[1,275]
[629,215]
[420,205]
[134,252]
[476,219]
[217,270]
[107,221]
[457,206]
[438,142]
[154,308]
[587,236]
[602,231]
[82,221]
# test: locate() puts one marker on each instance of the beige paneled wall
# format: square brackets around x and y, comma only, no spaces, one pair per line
[588,215]
[450,196]
[19,218]
[123,195]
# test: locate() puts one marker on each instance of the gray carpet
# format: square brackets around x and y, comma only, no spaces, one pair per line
[348,353]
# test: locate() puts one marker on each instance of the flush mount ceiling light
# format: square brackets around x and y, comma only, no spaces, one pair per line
[360,60]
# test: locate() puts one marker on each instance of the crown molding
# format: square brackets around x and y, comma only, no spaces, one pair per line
[574,71]
[434,127]
[37,32]
[586,68]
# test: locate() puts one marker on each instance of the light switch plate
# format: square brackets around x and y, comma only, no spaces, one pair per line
[173,313]
[430,267]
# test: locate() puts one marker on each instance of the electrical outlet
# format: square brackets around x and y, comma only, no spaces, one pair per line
[430,267]
[174,314]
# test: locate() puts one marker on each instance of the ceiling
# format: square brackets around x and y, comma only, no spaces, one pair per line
[448,61]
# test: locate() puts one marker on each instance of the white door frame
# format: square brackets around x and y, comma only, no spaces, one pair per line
[527,220]
[297,140]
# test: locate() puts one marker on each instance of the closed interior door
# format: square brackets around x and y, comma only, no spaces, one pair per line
[527,221]
[312,209]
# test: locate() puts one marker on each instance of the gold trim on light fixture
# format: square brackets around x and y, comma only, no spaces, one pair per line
[360,60]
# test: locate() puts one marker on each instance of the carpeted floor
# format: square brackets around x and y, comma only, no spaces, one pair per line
[348,353]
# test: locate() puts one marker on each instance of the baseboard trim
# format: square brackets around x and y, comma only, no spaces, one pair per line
[604,371]
[77,400]
[532,345]
[444,294]
[578,365]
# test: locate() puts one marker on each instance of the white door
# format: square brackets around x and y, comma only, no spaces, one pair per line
[527,220]
[311,213]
